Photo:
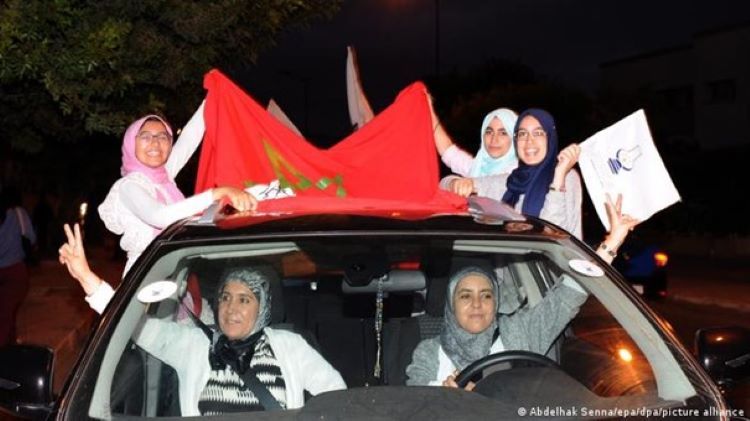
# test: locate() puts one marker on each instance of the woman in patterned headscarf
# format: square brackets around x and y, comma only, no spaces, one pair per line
[244,365]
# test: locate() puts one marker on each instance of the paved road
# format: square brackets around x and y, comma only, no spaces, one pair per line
[54,313]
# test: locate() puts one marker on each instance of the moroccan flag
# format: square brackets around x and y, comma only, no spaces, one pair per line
[392,158]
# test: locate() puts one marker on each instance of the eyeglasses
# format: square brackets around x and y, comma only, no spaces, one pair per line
[161,137]
[535,134]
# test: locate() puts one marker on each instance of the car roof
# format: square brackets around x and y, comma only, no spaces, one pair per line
[480,216]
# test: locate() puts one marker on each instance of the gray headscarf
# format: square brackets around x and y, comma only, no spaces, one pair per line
[258,283]
[462,347]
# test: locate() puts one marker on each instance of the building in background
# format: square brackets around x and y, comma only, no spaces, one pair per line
[697,93]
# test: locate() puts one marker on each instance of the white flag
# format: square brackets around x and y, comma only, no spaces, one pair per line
[275,110]
[622,159]
[360,111]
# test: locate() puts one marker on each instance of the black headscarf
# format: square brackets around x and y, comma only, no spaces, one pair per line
[533,181]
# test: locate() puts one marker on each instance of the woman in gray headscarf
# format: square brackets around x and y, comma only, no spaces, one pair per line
[472,328]
[469,330]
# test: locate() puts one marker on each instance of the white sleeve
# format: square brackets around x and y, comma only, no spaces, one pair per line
[458,160]
[149,210]
[318,375]
[187,143]
[100,298]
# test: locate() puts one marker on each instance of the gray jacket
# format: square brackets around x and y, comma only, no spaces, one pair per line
[560,208]
[528,329]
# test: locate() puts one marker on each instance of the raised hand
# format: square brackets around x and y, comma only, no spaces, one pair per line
[566,159]
[73,256]
[619,226]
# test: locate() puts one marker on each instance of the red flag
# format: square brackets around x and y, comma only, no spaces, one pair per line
[392,158]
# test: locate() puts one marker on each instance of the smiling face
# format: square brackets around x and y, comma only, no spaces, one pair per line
[531,141]
[153,144]
[474,303]
[238,310]
[496,139]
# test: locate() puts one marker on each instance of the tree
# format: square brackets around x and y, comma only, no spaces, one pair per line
[71,69]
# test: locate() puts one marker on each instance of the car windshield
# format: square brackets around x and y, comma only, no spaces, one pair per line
[364,301]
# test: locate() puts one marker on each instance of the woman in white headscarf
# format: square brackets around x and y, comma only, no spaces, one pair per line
[496,154]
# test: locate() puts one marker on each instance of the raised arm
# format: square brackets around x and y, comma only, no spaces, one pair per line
[442,140]
[186,144]
[73,256]
[619,227]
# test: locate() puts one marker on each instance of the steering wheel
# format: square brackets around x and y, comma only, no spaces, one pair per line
[498,358]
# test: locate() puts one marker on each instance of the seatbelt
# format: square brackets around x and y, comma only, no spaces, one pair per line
[260,391]
[198,322]
[251,381]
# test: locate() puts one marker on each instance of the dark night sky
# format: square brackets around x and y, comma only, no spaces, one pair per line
[564,40]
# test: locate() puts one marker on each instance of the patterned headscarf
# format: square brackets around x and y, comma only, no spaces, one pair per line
[484,164]
[257,281]
[533,181]
[238,353]
[462,347]
[131,164]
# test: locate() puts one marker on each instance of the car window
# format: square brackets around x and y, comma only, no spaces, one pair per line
[358,301]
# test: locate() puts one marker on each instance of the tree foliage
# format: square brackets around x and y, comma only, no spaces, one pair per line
[75,68]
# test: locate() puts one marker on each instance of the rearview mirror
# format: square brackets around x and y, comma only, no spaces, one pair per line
[26,380]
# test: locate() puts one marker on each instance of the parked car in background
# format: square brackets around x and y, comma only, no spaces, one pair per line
[644,265]
[364,284]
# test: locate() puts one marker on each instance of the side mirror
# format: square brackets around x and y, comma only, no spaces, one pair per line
[26,380]
[725,353]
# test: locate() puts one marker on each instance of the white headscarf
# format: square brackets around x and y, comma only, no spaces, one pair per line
[484,164]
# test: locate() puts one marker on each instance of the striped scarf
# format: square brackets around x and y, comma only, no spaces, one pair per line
[225,391]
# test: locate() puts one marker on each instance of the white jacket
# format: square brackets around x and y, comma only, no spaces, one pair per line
[186,349]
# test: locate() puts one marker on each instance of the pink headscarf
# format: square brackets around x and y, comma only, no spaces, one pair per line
[158,175]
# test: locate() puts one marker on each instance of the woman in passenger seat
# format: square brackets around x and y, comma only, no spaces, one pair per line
[471,330]
[246,365]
